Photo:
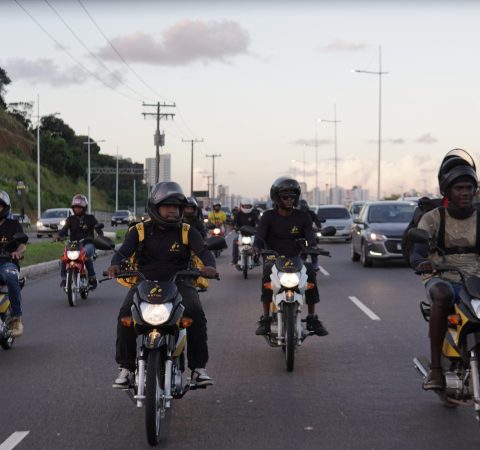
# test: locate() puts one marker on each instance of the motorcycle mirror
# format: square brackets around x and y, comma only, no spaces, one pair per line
[103,243]
[209,226]
[418,236]
[247,230]
[99,226]
[328,231]
[215,243]
[21,238]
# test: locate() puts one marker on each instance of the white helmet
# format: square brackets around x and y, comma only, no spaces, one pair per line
[246,205]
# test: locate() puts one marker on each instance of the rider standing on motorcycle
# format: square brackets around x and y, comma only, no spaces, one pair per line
[80,226]
[303,206]
[191,217]
[279,229]
[458,182]
[245,216]
[8,227]
[160,256]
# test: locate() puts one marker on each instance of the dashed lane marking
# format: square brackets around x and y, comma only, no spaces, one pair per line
[364,308]
[324,272]
[14,440]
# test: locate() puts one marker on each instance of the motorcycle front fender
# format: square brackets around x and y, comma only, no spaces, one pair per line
[154,340]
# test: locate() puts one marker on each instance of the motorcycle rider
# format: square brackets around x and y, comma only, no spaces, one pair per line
[244,216]
[458,182]
[162,254]
[217,217]
[279,228]
[8,227]
[81,225]
[190,216]
[303,205]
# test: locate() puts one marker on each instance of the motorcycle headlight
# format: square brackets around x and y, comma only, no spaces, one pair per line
[475,302]
[155,314]
[246,240]
[62,223]
[376,236]
[216,231]
[289,280]
[319,234]
[73,254]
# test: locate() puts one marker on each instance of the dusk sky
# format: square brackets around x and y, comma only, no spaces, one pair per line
[252,79]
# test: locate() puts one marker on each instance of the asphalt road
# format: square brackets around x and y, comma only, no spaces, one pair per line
[354,389]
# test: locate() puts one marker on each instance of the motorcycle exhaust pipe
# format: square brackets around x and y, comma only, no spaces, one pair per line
[420,367]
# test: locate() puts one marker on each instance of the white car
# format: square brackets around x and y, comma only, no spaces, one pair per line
[52,220]
[335,216]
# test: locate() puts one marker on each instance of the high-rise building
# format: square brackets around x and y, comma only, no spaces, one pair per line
[165,173]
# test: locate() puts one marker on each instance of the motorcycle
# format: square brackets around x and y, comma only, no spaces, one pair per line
[6,336]
[246,260]
[288,281]
[216,230]
[157,315]
[461,346]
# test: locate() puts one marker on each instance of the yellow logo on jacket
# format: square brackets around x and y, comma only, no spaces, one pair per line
[294,230]
[175,247]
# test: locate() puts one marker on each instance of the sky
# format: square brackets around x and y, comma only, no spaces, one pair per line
[254,80]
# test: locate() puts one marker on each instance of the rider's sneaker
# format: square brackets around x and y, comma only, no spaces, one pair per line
[17,326]
[263,326]
[200,378]
[434,380]
[63,283]
[93,282]
[313,324]
[123,379]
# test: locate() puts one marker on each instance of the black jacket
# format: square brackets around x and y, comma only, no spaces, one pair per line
[80,227]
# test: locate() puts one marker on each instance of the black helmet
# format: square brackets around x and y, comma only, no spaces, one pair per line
[5,201]
[456,163]
[285,185]
[166,193]
[303,205]
[192,202]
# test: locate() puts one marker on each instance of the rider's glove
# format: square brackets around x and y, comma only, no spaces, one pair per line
[209,271]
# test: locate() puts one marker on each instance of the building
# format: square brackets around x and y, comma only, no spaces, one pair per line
[165,173]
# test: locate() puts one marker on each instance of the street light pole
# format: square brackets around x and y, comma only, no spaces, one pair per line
[334,121]
[39,210]
[89,184]
[379,73]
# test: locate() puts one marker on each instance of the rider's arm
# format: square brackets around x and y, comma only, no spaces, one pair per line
[128,247]
[195,242]
[98,230]
[261,232]
[418,254]
[309,233]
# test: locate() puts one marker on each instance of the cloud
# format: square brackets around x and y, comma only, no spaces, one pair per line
[395,141]
[44,70]
[340,45]
[311,142]
[186,42]
[426,139]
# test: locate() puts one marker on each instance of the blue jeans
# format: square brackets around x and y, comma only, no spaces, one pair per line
[89,251]
[10,271]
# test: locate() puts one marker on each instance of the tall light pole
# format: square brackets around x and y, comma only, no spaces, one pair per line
[192,141]
[89,184]
[379,73]
[334,121]
[213,156]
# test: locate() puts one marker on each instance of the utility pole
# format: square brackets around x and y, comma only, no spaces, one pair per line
[208,183]
[158,139]
[116,185]
[213,156]
[192,141]
[334,121]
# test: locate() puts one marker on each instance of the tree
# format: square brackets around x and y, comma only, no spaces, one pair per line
[4,81]
[22,112]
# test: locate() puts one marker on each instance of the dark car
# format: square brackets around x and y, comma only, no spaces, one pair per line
[377,232]
[122,216]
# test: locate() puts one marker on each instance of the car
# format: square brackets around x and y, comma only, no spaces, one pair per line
[52,220]
[335,216]
[355,208]
[24,220]
[377,232]
[122,216]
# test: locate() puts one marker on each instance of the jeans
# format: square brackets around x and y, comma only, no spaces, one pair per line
[197,349]
[235,250]
[89,251]
[10,271]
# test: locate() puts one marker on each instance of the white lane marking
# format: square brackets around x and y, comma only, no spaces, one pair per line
[14,440]
[364,308]
[324,272]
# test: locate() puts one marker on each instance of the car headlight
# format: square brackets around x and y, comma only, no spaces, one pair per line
[246,240]
[62,223]
[39,224]
[155,314]
[376,236]
[216,231]
[73,254]
[319,234]
[289,280]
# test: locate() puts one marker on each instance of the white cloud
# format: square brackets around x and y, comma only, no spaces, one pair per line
[312,142]
[426,139]
[340,45]
[183,43]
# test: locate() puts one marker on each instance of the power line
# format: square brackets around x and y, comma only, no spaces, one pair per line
[114,75]
[71,56]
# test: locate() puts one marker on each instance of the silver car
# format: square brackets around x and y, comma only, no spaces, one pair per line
[335,216]
[377,232]
[52,220]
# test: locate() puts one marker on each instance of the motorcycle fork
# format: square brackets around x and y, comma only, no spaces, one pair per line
[475,379]
[140,396]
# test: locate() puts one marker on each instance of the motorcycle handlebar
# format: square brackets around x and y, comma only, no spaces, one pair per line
[181,273]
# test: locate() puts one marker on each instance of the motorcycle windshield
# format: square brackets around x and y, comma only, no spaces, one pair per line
[289,264]
[157,292]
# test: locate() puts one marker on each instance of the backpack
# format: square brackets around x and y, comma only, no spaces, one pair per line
[132,264]
[425,204]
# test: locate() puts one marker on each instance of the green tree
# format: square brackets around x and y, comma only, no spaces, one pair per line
[4,81]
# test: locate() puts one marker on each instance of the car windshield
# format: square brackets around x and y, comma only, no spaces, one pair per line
[356,208]
[121,213]
[52,214]
[333,213]
[390,213]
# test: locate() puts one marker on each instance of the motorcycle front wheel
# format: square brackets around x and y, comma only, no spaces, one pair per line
[72,287]
[6,341]
[154,402]
[289,316]
[84,292]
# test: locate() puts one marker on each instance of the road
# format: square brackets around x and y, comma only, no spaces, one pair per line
[354,389]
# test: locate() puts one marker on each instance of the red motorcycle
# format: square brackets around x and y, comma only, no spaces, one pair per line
[216,229]
[74,257]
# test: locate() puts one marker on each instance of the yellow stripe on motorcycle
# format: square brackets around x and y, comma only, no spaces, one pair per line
[180,346]
[4,303]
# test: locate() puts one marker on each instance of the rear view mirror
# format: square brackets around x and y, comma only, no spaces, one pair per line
[21,238]
[99,226]
[216,243]
[247,230]
[103,243]
[328,231]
